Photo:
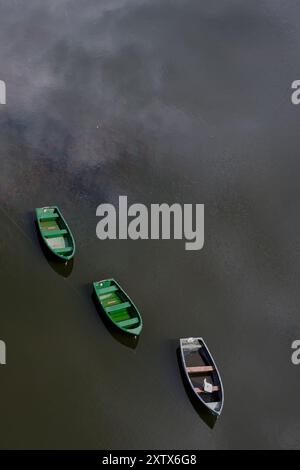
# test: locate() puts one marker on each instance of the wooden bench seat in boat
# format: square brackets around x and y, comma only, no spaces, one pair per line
[106,290]
[201,390]
[130,322]
[117,307]
[48,216]
[199,370]
[67,249]
[54,233]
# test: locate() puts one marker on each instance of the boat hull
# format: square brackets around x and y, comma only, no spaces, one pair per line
[117,307]
[55,233]
[202,374]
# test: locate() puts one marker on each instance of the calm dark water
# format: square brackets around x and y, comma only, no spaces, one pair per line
[175,101]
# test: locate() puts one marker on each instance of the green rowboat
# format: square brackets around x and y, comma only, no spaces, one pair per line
[118,307]
[55,232]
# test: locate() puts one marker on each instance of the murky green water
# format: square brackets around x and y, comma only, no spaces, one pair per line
[178,101]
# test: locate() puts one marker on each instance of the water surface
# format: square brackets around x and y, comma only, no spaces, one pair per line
[175,101]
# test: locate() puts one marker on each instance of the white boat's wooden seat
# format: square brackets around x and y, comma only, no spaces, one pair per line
[199,370]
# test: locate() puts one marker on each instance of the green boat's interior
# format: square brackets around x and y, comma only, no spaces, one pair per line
[54,231]
[116,305]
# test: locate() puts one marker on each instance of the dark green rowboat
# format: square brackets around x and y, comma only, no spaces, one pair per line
[118,307]
[55,232]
